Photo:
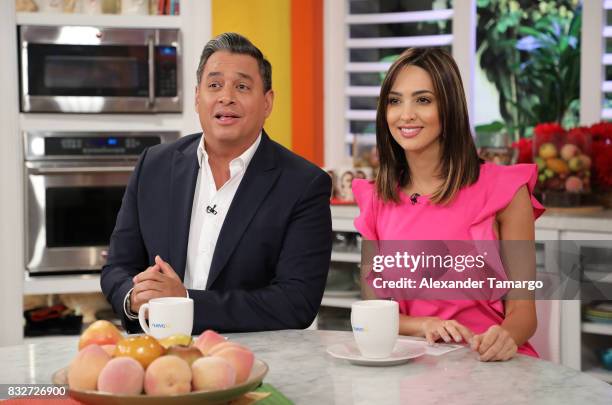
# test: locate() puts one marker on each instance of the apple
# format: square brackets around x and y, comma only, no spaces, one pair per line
[187,353]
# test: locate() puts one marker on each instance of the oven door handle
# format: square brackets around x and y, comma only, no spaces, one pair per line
[82,169]
[151,98]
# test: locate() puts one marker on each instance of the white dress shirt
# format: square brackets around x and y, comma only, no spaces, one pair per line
[205,226]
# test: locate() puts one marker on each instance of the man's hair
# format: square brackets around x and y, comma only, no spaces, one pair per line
[236,43]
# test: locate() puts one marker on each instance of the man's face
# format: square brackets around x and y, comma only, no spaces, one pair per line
[230,100]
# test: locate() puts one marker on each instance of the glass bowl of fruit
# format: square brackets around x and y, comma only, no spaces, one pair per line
[564,169]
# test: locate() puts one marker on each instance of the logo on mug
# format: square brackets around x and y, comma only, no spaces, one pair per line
[359,329]
[160,325]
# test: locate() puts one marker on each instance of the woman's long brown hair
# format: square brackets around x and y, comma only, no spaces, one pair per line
[459,163]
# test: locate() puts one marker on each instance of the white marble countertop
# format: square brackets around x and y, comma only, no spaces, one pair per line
[302,370]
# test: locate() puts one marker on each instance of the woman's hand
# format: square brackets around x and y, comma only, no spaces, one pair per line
[495,344]
[448,330]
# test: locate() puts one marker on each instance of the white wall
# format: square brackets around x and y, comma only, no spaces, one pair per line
[196,30]
[11,189]
[591,71]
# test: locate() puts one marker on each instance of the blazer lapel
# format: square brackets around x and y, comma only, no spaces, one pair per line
[259,178]
[182,188]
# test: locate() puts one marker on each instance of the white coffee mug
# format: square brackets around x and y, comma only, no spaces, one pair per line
[375,327]
[167,316]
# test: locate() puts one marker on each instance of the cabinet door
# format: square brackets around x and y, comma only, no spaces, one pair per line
[594,252]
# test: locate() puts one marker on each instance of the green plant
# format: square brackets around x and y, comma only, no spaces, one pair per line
[531,52]
[551,67]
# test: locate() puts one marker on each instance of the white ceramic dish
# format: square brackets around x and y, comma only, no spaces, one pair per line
[402,352]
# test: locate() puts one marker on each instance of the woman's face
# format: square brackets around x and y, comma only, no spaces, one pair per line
[412,111]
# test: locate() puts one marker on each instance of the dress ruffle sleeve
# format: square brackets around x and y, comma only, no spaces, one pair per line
[504,182]
[364,193]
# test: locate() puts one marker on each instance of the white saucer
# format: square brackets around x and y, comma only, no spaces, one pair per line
[402,352]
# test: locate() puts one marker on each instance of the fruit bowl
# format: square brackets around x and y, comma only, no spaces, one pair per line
[564,168]
[258,372]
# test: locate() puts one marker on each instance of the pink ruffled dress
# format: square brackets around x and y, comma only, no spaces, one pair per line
[470,216]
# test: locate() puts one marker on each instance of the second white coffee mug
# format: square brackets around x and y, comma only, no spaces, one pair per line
[375,327]
[167,316]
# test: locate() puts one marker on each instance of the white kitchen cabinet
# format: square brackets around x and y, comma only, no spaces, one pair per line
[584,337]
[342,221]
[62,284]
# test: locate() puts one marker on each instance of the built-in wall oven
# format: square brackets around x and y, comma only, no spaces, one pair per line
[75,182]
[99,70]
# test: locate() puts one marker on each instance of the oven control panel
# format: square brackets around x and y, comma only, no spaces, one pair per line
[106,145]
[69,145]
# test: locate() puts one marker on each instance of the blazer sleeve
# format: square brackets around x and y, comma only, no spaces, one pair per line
[292,299]
[127,255]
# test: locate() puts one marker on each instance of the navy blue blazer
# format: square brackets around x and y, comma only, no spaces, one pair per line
[270,264]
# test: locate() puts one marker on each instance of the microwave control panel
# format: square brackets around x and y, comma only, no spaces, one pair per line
[166,72]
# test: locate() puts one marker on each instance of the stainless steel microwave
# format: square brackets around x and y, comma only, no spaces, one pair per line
[75,69]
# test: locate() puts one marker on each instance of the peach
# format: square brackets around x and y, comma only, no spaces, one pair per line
[568,151]
[224,345]
[122,375]
[212,373]
[240,358]
[110,349]
[100,333]
[207,340]
[84,369]
[168,375]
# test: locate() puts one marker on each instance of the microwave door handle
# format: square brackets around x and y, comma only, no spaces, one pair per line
[151,46]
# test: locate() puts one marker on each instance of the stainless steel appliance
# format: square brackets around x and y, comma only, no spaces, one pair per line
[99,70]
[74,186]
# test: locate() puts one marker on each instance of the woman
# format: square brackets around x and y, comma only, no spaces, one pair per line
[431,185]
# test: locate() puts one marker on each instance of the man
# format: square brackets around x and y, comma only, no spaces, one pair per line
[228,217]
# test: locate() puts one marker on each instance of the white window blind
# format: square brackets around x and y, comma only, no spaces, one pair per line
[596,45]
[361,36]
[605,109]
